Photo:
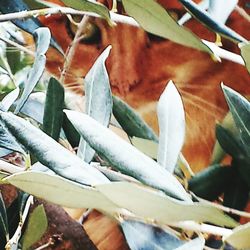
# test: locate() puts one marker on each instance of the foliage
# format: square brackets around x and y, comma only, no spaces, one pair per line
[154,197]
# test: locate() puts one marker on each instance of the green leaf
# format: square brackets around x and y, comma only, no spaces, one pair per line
[211,182]
[36,227]
[240,109]
[171,118]
[142,236]
[8,141]
[245,53]
[229,143]
[50,153]
[209,21]
[236,193]
[218,153]
[42,43]
[239,239]
[3,219]
[131,122]
[98,99]
[146,146]
[197,244]
[124,157]
[220,10]
[9,99]
[71,133]
[53,111]
[154,205]
[60,191]
[91,6]
[156,20]
[29,24]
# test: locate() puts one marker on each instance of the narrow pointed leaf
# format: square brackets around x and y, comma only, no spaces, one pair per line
[220,10]
[156,20]
[9,99]
[91,6]
[245,53]
[171,120]
[130,121]
[60,191]
[197,244]
[8,141]
[203,5]
[142,236]
[50,153]
[29,24]
[230,144]
[36,227]
[154,205]
[240,109]
[98,99]
[124,157]
[239,239]
[218,153]
[53,111]
[209,21]
[211,182]
[42,43]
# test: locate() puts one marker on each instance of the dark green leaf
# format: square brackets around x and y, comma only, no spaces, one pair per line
[210,22]
[124,157]
[91,6]
[98,99]
[240,109]
[53,111]
[130,121]
[156,20]
[243,167]
[211,182]
[29,24]
[71,133]
[3,219]
[36,227]
[50,153]
[236,194]
[230,144]
[42,43]
[143,236]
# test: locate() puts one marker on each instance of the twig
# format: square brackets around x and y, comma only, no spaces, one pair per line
[15,238]
[20,47]
[72,49]
[224,209]
[203,228]
[114,17]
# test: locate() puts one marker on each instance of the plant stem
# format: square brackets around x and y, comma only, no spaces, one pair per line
[72,49]
[10,168]
[15,238]
[114,17]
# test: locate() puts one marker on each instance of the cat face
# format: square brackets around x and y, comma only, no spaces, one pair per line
[140,65]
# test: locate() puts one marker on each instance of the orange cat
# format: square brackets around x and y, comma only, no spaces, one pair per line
[140,65]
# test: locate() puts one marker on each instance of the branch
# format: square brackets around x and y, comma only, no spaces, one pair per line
[114,17]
